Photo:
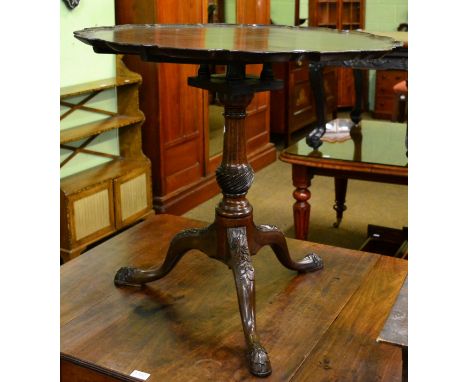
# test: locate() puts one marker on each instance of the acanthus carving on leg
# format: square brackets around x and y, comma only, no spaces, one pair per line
[244,276]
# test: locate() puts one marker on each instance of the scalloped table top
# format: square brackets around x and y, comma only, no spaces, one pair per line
[197,43]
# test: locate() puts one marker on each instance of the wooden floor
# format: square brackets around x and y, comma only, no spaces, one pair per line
[186,327]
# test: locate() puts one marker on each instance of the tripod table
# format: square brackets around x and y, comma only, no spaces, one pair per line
[233,237]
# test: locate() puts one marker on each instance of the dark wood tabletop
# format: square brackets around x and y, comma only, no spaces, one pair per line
[317,326]
[204,43]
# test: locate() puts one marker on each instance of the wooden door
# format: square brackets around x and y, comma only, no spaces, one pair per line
[339,14]
[258,112]
[176,131]
[173,131]
[345,90]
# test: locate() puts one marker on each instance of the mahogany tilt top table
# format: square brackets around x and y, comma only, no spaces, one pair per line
[233,237]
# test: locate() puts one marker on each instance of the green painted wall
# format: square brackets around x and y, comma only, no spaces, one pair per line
[230,11]
[282,12]
[383,16]
[79,64]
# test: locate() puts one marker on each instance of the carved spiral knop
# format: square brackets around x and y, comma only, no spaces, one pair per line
[235,179]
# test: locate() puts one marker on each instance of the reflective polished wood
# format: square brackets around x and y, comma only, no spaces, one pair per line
[223,43]
[233,238]
[318,326]
[375,151]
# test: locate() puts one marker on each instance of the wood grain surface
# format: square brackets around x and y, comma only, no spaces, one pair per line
[186,326]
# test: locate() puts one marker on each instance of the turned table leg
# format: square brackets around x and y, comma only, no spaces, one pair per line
[301,208]
[341,185]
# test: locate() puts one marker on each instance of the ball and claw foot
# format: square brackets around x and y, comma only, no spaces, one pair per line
[124,277]
[259,362]
[313,261]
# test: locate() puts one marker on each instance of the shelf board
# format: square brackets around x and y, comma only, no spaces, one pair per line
[94,128]
[102,173]
[108,83]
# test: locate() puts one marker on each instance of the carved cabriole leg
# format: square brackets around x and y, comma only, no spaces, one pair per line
[341,185]
[272,236]
[301,208]
[243,271]
[202,239]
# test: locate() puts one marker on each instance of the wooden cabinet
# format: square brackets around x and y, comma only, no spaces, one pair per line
[343,15]
[103,199]
[293,107]
[384,97]
[340,14]
[176,130]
